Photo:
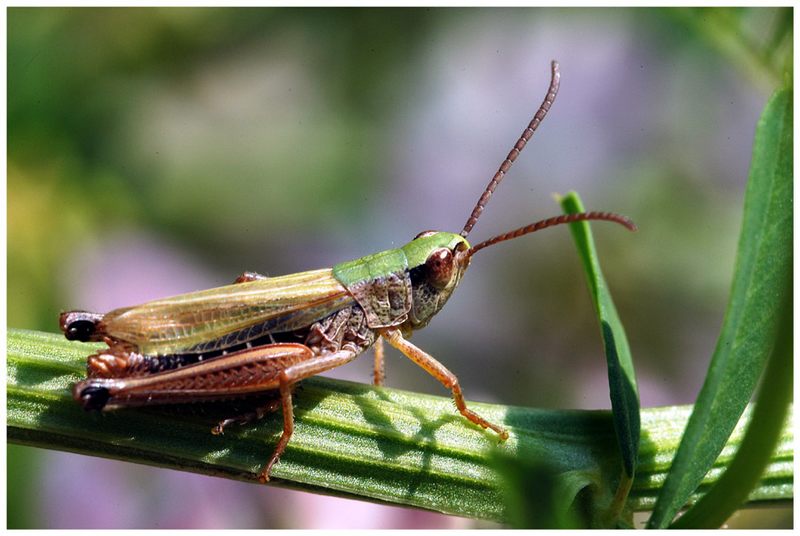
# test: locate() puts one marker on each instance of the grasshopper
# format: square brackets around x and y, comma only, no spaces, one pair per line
[260,336]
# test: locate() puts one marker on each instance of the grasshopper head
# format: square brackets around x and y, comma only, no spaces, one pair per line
[436,262]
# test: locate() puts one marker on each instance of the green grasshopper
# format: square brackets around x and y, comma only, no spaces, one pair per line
[260,336]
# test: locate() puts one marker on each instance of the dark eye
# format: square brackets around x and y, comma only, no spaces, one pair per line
[439,267]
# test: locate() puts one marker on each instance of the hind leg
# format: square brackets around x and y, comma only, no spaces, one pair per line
[286,378]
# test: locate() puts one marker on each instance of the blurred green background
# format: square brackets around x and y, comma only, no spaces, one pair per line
[157,151]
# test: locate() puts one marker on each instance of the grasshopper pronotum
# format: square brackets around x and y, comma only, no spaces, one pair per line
[262,335]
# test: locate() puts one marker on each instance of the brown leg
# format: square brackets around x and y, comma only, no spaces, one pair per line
[440,372]
[243,373]
[378,374]
[246,277]
[288,428]
[287,378]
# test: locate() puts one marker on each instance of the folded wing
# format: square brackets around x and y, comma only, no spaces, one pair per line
[214,318]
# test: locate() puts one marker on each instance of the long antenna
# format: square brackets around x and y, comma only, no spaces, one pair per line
[549,222]
[555,78]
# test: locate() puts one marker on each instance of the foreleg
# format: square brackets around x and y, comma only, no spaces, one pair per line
[378,372]
[441,373]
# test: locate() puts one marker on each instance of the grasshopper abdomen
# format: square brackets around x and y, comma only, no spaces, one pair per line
[81,326]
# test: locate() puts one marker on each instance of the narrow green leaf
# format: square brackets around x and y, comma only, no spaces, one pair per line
[750,328]
[354,440]
[621,376]
[751,47]
[760,440]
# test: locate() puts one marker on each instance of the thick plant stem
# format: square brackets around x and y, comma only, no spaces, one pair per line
[356,440]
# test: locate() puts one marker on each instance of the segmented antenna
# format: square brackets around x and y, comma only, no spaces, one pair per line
[555,77]
[549,222]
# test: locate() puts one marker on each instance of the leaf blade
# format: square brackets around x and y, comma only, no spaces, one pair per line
[621,375]
[749,329]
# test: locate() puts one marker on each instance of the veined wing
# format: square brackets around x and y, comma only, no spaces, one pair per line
[173,325]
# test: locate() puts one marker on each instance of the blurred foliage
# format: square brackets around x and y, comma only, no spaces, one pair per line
[757,41]
[76,74]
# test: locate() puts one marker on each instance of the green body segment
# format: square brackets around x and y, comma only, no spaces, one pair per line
[371,267]
[393,261]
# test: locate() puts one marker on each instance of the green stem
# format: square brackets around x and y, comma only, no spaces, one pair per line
[355,440]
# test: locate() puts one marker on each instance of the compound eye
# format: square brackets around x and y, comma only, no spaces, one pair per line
[439,267]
